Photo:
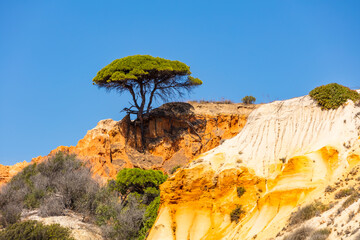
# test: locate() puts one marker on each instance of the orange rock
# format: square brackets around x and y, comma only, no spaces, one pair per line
[175,133]
[7,172]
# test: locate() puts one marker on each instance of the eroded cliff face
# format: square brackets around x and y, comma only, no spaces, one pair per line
[7,172]
[286,155]
[174,133]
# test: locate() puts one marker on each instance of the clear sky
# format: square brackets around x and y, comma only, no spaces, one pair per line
[51,50]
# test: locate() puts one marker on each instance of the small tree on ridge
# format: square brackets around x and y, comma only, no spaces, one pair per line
[248,99]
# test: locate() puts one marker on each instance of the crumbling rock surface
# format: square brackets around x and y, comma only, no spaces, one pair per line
[174,134]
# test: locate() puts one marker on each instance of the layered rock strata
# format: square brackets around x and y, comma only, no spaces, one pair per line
[286,155]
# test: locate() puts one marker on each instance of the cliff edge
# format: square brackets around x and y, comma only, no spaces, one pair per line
[175,133]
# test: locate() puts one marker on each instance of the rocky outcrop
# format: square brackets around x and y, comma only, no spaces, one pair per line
[7,172]
[174,134]
[286,155]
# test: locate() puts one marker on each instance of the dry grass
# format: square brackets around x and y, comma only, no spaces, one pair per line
[320,234]
[221,101]
[307,212]
[344,192]
[350,200]
[300,234]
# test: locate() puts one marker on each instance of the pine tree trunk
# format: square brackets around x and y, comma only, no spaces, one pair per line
[142,132]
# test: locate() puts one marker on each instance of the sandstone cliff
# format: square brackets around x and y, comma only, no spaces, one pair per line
[286,155]
[7,172]
[175,133]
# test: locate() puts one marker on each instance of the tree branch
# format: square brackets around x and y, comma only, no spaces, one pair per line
[131,90]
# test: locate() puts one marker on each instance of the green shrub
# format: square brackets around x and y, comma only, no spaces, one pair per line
[236,213]
[132,215]
[307,212]
[126,208]
[104,213]
[248,99]
[33,230]
[240,191]
[333,95]
[173,170]
[149,218]
[22,180]
[32,200]
[137,180]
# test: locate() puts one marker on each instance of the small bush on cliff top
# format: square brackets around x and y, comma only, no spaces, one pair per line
[248,99]
[333,95]
[33,230]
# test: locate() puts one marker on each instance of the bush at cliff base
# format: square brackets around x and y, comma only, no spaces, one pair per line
[62,182]
[333,95]
[125,208]
[134,215]
[34,230]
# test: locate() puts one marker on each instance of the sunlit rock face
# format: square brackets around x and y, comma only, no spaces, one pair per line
[286,154]
[175,134]
[7,172]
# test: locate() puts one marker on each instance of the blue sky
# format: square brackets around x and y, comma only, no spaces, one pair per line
[51,50]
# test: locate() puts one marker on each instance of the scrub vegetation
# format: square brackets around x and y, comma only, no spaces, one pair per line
[309,233]
[333,95]
[307,212]
[125,208]
[248,100]
[35,230]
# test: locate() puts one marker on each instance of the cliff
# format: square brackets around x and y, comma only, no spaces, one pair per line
[285,156]
[7,172]
[174,133]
